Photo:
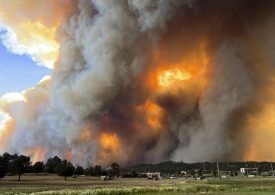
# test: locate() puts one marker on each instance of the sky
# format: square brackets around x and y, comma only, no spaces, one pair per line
[18,72]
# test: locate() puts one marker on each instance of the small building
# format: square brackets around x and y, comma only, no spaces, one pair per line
[155,175]
[249,171]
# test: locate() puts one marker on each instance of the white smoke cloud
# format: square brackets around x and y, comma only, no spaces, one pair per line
[31,27]
[3,118]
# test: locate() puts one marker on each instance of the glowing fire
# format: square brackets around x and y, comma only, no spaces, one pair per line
[85,134]
[153,114]
[188,73]
[69,155]
[110,142]
[171,76]
[37,154]
[260,134]
[110,148]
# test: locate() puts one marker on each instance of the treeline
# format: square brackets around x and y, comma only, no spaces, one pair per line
[170,167]
[19,164]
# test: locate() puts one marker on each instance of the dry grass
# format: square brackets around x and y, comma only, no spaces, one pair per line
[52,184]
[38,183]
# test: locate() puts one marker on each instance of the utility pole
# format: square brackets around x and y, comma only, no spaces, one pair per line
[203,167]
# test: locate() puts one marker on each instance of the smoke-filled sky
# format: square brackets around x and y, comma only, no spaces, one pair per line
[142,81]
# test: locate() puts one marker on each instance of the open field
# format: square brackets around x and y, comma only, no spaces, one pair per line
[52,184]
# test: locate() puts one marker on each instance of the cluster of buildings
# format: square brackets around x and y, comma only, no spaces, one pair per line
[249,172]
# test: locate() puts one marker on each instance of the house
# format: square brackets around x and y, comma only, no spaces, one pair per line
[249,171]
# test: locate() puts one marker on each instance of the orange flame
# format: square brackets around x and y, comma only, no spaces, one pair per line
[86,134]
[37,154]
[153,114]
[110,142]
[110,149]
[171,76]
[260,134]
[69,155]
[191,72]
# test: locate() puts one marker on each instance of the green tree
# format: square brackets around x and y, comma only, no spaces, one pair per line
[51,164]
[67,169]
[4,165]
[97,170]
[115,169]
[58,167]
[134,174]
[7,157]
[19,165]
[89,171]
[38,167]
[79,170]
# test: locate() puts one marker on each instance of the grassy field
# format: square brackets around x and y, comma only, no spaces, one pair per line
[52,184]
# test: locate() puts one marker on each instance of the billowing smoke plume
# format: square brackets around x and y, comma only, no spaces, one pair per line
[144,81]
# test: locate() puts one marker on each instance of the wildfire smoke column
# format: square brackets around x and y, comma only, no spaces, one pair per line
[143,81]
